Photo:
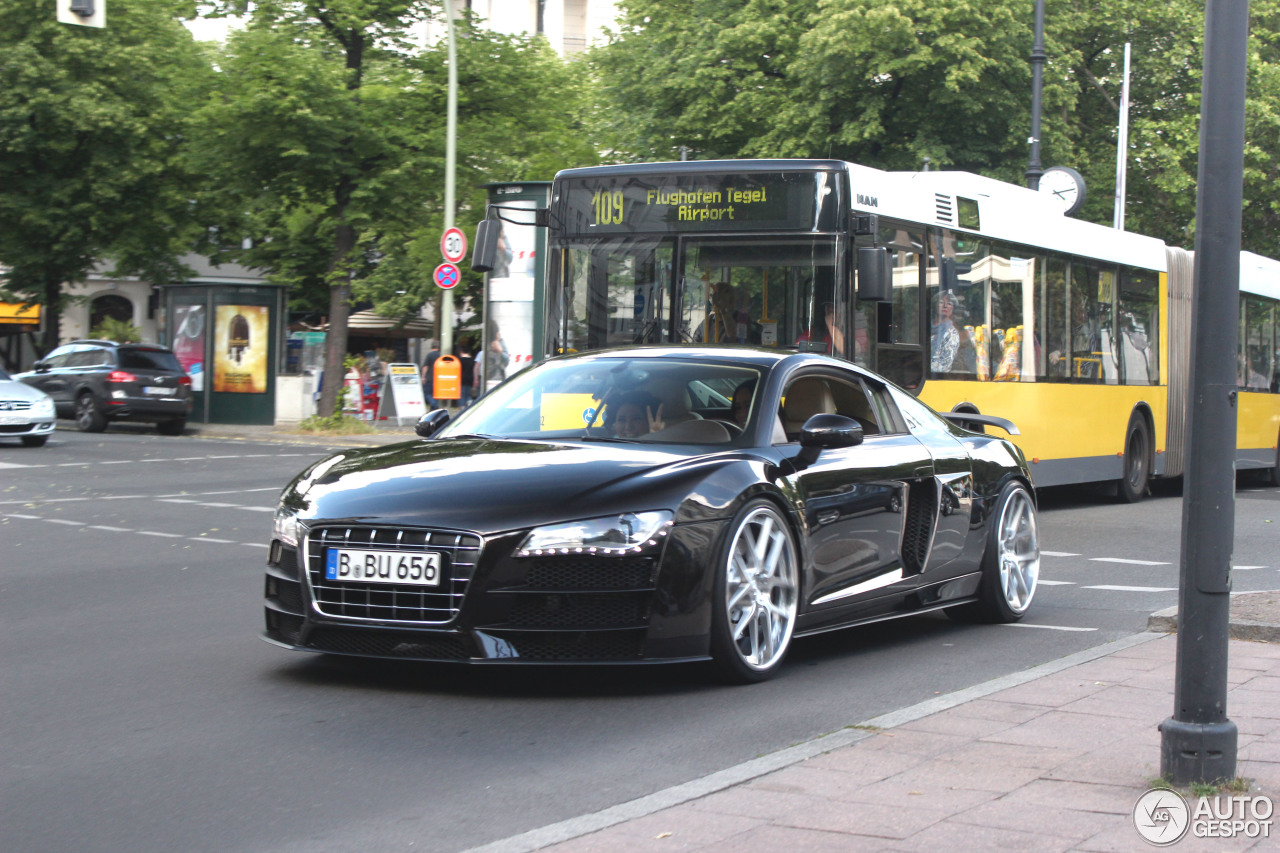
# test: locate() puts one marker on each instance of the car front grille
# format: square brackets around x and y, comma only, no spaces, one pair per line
[407,603]
[15,405]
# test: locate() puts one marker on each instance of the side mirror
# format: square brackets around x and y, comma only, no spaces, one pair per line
[40,366]
[485,253]
[430,423]
[875,275]
[821,432]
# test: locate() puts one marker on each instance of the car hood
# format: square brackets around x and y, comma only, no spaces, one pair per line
[11,389]
[491,485]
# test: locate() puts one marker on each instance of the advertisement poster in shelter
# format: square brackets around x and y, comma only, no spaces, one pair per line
[241,343]
[188,342]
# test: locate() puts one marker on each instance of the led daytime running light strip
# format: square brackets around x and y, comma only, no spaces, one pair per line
[597,550]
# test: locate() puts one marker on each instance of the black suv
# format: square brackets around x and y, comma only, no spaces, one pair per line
[100,381]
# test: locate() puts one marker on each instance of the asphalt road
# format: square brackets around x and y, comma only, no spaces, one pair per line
[140,712]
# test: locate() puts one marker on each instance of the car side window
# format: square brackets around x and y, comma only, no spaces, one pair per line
[58,358]
[852,402]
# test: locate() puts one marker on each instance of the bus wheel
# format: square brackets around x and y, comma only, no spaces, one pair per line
[1137,461]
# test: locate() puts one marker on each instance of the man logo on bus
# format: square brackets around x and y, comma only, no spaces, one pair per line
[868,200]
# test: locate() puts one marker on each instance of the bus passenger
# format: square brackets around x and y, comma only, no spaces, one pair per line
[832,334]
[951,349]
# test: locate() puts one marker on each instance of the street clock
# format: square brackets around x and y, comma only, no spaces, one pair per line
[1065,186]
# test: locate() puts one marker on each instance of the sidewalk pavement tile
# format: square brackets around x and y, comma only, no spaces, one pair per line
[1071,825]
[680,828]
[951,723]
[989,709]
[971,775]
[787,838]
[1121,700]
[1069,729]
[952,838]
[861,765]
[1015,756]
[925,744]
[1050,691]
[1123,838]
[1141,761]
[880,820]
[1078,796]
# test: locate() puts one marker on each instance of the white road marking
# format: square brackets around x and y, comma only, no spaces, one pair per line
[16,465]
[1043,582]
[1127,562]
[65,521]
[255,544]
[1134,588]
[1047,627]
[1058,554]
[177,500]
[111,529]
[211,539]
[158,533]
[19,515]
[1247,568]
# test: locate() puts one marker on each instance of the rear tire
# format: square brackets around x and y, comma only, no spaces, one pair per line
[34,440]
[756,595]
[88,418]
[1137,461]
[1011,562]
[173,427]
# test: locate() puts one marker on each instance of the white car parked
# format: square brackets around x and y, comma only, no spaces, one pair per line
[25,412]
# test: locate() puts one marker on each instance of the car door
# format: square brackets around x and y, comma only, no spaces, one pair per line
[854,499]
[51,376]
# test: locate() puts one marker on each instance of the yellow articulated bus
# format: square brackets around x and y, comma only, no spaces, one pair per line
[977,295]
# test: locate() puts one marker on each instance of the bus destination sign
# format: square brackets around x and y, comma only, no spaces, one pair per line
[804,201]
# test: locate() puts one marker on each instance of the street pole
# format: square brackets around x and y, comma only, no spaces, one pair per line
[450,164]
[1034,169]
[1198,743]
[1122,148]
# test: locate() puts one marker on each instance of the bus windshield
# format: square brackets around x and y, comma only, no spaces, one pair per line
[771,292]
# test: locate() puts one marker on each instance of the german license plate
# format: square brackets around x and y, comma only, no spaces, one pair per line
[349,564]
[157,391]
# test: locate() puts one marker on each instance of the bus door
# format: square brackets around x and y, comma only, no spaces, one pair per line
[612,292]
[893,332]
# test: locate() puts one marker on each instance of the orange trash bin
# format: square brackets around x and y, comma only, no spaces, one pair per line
[446,378]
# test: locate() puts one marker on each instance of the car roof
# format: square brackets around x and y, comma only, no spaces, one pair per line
[764,357]
[119,344]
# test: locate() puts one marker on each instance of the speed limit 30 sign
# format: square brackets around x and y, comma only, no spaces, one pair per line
[453,245]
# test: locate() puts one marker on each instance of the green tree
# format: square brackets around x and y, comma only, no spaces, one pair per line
[92,130]
[888,84]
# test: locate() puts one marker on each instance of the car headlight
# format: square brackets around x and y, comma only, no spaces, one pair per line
[42,408]
[285,526]
[627,533]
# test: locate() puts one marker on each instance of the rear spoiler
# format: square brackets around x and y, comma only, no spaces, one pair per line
[964,419]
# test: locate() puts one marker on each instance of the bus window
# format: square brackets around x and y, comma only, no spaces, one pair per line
[1093,358]
[1257,343]
[1138,329]
[1053,315]
[615,295]
[1012,282]
[772,293]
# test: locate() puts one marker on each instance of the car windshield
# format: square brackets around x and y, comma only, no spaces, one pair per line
[4,376]
[665,400]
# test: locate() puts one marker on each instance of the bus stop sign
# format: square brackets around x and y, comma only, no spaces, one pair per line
[447,276]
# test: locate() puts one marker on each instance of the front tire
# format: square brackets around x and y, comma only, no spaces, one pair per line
[1011,562]
[88,418]
[756,595]
[1137,461]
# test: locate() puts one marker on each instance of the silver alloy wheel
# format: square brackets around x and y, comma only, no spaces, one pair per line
[86,416]
[761,592]
[1019,553]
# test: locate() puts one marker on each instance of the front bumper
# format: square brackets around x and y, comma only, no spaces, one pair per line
[569,609]
[32,426]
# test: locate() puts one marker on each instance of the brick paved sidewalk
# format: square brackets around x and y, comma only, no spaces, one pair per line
[1055,763]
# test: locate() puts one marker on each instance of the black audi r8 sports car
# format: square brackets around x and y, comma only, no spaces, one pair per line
[654,505]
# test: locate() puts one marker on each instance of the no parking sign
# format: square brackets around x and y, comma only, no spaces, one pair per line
[447,276]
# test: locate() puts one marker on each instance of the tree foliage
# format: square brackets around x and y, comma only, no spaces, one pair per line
[92,126]
[329,125]
[888,84]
